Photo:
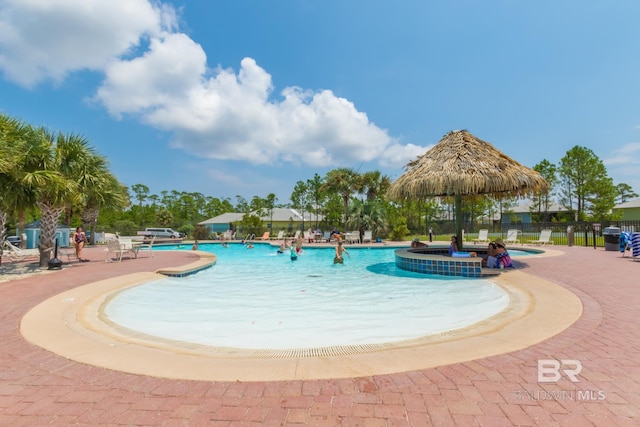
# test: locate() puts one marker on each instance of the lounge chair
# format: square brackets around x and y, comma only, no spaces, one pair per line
[483,236]
[353,237]
[512,237]
[368,236]
[545,238]
[296,235]
[265,236]
[15,254]
[280,235]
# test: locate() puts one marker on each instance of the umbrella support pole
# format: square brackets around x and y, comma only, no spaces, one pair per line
[458,208]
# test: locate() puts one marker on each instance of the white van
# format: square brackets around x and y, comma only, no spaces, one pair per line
[162,232]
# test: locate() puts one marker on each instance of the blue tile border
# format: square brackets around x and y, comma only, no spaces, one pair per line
[437,262]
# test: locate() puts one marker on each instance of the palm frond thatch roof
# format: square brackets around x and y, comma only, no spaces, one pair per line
[462,164]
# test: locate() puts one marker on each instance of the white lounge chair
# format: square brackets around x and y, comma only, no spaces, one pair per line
[368,236]
[279,236]
[512,237]
[545,238]
[15,254]
[483,236]
[296,235]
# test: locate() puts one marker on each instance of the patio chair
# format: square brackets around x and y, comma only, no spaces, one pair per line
[117,249]
[280,235]
[512,237]
[146,246]
[368,236]
[69,252]
[545,238]
[265,236]
[296,235]
[483,236]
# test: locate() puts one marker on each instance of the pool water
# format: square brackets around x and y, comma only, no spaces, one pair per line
[257,299]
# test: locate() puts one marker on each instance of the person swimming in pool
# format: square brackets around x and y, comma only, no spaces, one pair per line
[292,251]
[339,259]
[284,245]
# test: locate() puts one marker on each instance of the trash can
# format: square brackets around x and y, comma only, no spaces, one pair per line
[570,236]
[611,238]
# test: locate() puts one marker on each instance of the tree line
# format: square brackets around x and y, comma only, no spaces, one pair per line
[58,177]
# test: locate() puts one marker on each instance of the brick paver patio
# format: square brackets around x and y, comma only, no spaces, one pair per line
[41,388]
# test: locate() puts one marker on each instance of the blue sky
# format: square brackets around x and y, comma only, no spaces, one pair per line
[248,97]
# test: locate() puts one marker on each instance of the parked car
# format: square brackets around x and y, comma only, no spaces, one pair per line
[162,232]
[14,240]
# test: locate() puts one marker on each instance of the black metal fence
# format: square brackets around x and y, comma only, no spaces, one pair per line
[584,233]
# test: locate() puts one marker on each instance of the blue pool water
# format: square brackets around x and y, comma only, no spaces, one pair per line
[257,299]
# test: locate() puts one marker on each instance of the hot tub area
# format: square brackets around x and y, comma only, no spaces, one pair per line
[436,260]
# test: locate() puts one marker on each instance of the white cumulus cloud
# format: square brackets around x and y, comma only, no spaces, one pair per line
[158,75]
[47,39]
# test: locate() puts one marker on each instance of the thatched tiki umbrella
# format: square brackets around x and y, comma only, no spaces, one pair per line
[463,165]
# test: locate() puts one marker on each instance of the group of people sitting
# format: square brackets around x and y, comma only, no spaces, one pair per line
[497,256]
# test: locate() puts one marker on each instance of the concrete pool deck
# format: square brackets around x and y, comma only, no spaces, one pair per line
[39,387]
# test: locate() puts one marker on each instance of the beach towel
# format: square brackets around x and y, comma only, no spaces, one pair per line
[625,241]
[635,244]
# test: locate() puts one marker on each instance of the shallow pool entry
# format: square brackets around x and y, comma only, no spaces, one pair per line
[257,299]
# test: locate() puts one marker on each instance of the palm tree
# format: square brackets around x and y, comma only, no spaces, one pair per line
[374,184]
[369,215]
[344,181]
[103,192]
[59,167]
[12,133]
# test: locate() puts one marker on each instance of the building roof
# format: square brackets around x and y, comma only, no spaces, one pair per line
[525,207]
[279,215]
[628,205]
[225,218]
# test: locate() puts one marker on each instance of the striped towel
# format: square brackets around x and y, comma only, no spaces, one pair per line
[635,244]
[625,241]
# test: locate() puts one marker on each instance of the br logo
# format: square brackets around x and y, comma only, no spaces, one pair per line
[549,370]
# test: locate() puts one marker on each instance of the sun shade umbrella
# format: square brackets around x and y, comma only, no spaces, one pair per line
[464,165]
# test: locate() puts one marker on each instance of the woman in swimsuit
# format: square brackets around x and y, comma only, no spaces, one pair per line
[79,239]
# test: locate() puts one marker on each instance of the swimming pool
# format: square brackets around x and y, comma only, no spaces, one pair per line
[257,299]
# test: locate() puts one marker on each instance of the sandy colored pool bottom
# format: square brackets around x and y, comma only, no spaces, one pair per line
[77,329]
